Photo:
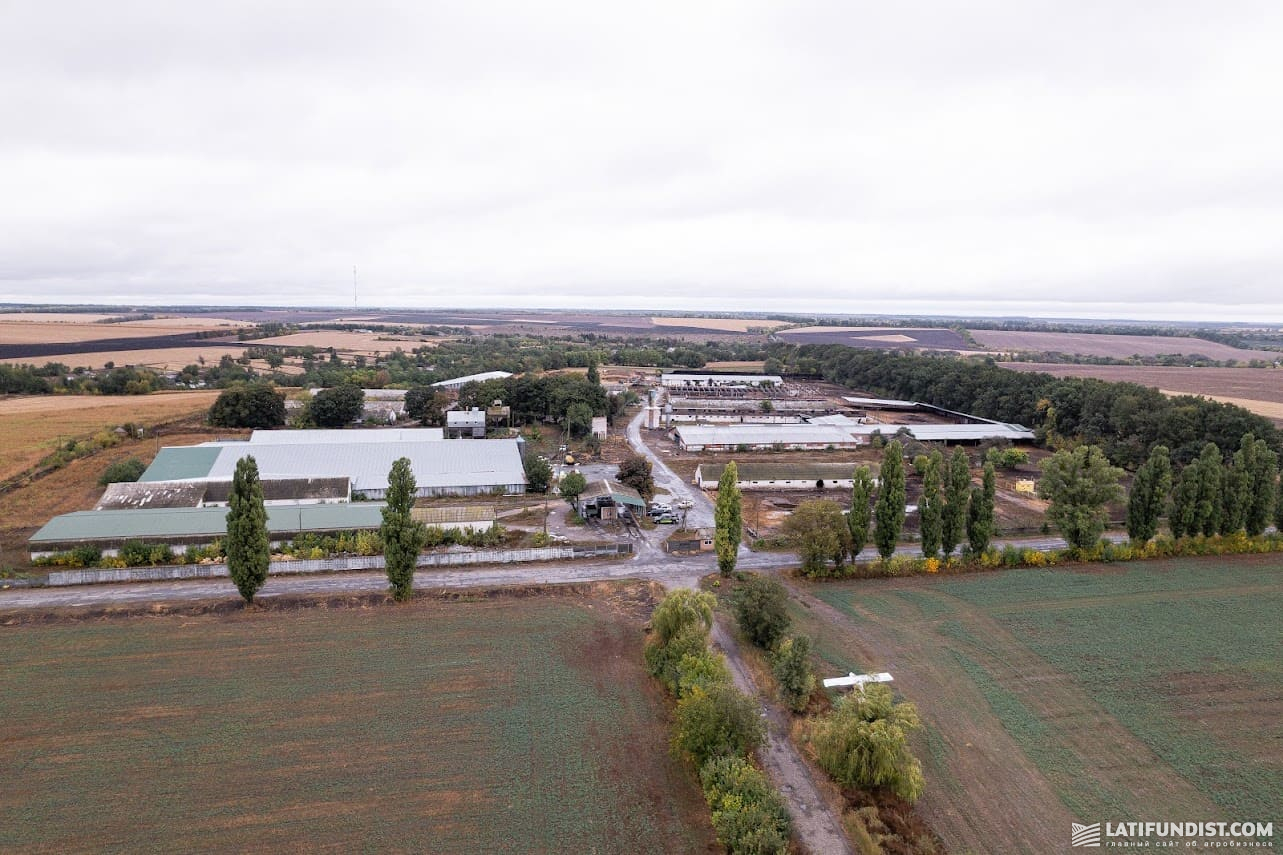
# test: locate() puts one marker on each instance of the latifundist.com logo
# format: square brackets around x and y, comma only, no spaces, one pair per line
[1215,835]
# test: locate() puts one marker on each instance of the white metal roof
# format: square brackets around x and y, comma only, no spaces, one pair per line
[479,463]
[465,418]
[355,436]
[764,434]
[474,378]
[950,433]
[887,403]
[706,379]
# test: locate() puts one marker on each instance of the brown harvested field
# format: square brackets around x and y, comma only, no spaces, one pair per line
[502,722]
[1116,346]
[32,427]
[1257,389]
[881,338]
[721,324]
[350,342]
[28,331]
[1044,701]
[160,358]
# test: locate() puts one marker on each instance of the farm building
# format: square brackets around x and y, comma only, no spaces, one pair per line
[605,497]
[182,527]
[779,476]
[465,424]
[364,457]
[689,542]
[459,382]
[713,381]
[468,518]
[206,494]
[758,437]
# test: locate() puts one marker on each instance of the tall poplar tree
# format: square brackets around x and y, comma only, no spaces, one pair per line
[957,484]
[1148,495]
[889,511]
[980,512]
[857,521]
[728,519]
[931,506]
[1259,465]
[248,546]
[1208,504]
[402,535]
[1183,518]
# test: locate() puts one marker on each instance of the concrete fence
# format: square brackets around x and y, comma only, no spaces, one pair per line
[337,564]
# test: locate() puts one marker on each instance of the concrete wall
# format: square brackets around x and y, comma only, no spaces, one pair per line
[338,564]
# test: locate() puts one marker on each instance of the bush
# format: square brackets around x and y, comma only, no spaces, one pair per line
[864,743]
[703,670]
[136,553]
[716,722]
[748,816]
[760,610]
[122,471]
[791,665]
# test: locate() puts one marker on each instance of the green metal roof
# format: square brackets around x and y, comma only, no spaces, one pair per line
[178,463]
[163,523]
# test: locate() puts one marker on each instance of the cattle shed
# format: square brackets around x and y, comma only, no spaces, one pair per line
[181,527]
[604,498]
[466,517]
[799,475]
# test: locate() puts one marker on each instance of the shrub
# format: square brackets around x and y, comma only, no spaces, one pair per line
[717,721]
[864,743]
[760,610]
[136,553]
[791,665]
[748,816]
[702,669]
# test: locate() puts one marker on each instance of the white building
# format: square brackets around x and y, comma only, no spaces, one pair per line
[713,381]
[459,382]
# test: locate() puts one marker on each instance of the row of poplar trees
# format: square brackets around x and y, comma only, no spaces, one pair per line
[249,546]
[1211,495]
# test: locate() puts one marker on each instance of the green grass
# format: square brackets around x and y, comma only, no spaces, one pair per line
[508,725]
[1174,651]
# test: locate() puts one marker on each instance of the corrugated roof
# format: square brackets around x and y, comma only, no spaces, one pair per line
[338,435]
[453,515]
[151,494]
[767,434]
[465,418]
[748,379]
[159,523]
[616,491]
[178,463]
[474,378]
[285,489]
[883,403]
[478,463]
[952,433]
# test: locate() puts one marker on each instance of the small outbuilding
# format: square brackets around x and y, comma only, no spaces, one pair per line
[608,500]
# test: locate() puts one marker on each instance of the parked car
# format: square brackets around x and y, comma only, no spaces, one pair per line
[666,519]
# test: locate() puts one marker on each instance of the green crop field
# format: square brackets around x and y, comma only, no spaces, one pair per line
[1137,690]
[488,726]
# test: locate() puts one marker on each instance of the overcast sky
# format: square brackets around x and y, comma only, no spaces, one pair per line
[1111,159]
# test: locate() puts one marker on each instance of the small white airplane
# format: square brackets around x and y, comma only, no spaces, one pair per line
[857,680]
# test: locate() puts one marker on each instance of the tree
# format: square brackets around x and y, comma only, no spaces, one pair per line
[681,624]
[1208,502]
[572,485]
[1079,484]
[635,472]
[594,376]
[248,546]
[720,721]
[980,529]
[338,406]
[256,405]
[402,535]
[857,520]
[122,471]
[1259,466]
[761,610]
[578,419]
[728,519]
[889,510]
[957,483]
[749,816]
[1152,484]
[538,473]
[1278,507]
[931,506]
[820,534]
[1183,518]
[791,665]
[864,743]
[426,405]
